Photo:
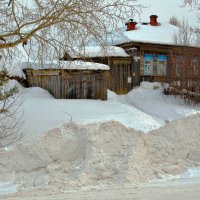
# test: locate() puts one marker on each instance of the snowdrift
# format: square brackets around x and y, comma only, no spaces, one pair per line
[109,153]
[149,98]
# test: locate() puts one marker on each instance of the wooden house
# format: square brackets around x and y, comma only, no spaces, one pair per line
[150,44]
[139,52]
[70,80]
[121,73]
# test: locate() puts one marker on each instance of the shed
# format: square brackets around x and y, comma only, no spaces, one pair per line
[70,79]
[121,74]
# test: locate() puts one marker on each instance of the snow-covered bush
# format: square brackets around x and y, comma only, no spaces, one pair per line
[184,63]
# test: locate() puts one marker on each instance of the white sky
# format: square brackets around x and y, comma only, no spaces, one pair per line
[167,8]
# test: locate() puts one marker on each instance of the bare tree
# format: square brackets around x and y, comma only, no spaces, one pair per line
[10,111]
[60,24]
[195,6]
[184,65]
[46,29]
[185,35]
[174,21]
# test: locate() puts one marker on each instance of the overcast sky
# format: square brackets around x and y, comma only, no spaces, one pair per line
[167,8]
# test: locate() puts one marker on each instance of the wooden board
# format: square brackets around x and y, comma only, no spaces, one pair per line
[71,85]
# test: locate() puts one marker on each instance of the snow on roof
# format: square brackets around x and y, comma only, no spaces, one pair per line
[17,69]
[13,70]
[99,51]
[81,65]
[70,65]
[162,34]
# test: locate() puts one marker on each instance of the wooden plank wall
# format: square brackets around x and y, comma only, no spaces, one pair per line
[63,84]
[119,73]
[155,49]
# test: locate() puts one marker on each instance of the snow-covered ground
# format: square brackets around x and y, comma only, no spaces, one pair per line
[150,99]
[143,109]
[175,189]
[42,112]
[103,157]
[86,154]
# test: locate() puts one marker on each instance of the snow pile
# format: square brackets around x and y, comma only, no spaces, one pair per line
[150,99]
[142,109]
[107,153]
[42,112]
[150,85]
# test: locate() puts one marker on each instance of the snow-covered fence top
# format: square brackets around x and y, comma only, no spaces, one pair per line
[17,69]
[69,65]
[98,51]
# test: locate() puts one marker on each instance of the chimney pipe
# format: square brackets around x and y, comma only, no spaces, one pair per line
[130,25]
[153,20]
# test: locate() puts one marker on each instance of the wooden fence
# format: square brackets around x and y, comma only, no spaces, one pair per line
[67,84]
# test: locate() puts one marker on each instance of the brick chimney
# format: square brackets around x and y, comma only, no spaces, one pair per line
[131,25]
[153,20]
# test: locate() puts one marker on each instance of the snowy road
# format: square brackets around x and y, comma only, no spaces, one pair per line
[188,189]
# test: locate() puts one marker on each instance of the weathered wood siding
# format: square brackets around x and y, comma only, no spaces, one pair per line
[65,84]
[155,49]
[121,75]
[121,68]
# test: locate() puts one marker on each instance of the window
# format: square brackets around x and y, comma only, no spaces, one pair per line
[148,65]
[161,65]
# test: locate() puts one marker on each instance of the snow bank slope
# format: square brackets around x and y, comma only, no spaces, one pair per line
[150,99]
[76,155]
[42,113]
